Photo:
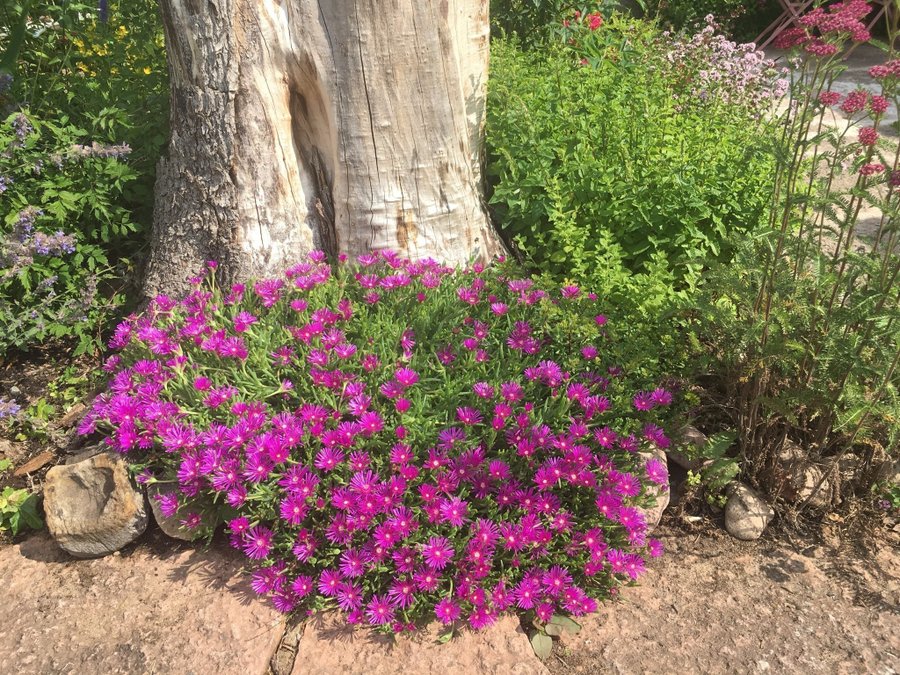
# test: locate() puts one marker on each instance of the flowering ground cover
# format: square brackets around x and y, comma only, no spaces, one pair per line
[396,439]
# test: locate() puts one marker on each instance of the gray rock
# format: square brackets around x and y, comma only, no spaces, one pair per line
[687,442]
[92,451]
[798,476]
[888,472]
[172,526]
[92,507]
[746,513]
[662,493]
[790,453]
[806,478]
[15,452]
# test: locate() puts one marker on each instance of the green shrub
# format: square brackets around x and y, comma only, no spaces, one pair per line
[18,509]
[533,21]
[60,219]
[803,329]
[109,77]
[623,168]
[73,211]
[740,18]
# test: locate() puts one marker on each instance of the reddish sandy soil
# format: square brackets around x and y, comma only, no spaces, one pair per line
[710,605]
[716,605]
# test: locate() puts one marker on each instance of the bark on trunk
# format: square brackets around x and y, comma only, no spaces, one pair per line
[345,125]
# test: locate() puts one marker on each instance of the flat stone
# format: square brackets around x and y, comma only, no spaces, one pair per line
[662,493]
[746,513]
[888,472]
[92,508]
[161,608]
[87,453]
[172,526]
[73,415]
[14,452]
[330,646]
[790,453]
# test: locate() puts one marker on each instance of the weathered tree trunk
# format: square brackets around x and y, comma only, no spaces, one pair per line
[345,125]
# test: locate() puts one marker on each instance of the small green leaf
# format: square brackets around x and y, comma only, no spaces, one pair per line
[565,624]
[542,644]
[554,630]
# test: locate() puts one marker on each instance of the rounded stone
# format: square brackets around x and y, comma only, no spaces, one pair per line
[171,527]
[746,513]
[92,508]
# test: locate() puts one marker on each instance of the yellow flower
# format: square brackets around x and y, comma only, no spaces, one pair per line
[147,70]
[121,32]
[100,50]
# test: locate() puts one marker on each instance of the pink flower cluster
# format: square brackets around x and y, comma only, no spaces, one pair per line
[890,69]
[396,439]
[716,69]
[822,30]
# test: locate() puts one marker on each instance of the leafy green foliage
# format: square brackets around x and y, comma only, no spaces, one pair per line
[61,220]
[544,631]
[18,509]
[602,174]
[534,21]
[804,327]
[722,469]
[77,185]
[743,19]
[109,77]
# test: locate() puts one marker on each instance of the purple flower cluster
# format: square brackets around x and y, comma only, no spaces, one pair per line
[8,408]
[19,249]
[21,127]
[399,440]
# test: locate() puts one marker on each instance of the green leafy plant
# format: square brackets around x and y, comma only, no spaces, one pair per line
[18,509]
[620,172]
[76,186]
[541,637]
[108,73]
[741,18]
[721,469]
[537,21]
[804,326]
[60,223]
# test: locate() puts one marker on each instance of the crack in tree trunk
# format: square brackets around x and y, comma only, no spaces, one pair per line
[294,127]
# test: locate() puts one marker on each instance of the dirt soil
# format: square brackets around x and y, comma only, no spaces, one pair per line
[713,604]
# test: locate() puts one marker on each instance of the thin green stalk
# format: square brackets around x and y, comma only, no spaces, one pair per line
[859,426]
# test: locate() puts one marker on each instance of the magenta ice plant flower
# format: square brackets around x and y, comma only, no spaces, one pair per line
[446,449]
